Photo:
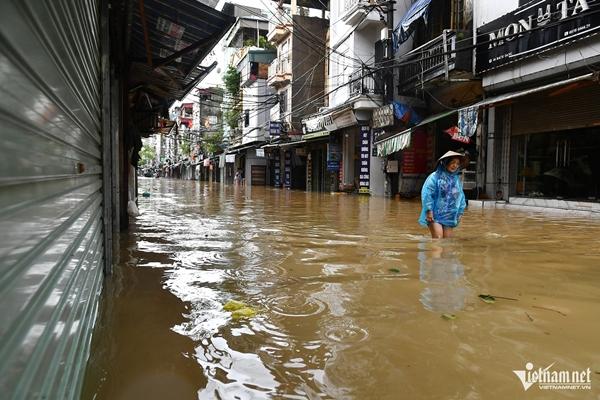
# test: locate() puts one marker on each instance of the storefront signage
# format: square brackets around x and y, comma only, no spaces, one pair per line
[274,128]
[533,28]
[260,152]
[334,153]
[414,158]
[330,122]
[230,158]
[383,116]
[277,170]
[287,171]
[365,143]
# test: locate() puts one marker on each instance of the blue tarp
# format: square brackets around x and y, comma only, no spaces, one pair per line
[405,27]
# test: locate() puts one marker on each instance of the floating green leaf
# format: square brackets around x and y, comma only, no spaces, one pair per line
[233,305]
[394,270]
[488,298]
[448,316]
[244,312]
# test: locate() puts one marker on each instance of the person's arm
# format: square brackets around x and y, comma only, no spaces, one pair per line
[461,202]
[427,196]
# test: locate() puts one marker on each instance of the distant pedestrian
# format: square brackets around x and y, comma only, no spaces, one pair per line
[442,197]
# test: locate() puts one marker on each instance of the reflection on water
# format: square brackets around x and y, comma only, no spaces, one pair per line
[443,276]
[349,292]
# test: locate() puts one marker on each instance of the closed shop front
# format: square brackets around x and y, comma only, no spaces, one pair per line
[51,198]
[555,143]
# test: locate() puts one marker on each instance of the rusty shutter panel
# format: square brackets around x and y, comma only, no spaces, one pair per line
[51,241]
[559,109]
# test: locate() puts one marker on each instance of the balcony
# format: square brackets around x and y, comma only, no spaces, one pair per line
[438,59]
[365,90]
[356,11]
[280,72]
[278,32]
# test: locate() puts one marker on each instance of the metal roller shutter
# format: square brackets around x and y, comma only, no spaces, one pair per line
[51,247]
[558,109]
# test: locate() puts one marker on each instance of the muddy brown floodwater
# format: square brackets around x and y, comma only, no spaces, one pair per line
[353,300]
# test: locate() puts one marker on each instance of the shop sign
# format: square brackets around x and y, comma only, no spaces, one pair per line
[277,180]
[330,122]
[334,154]
[312,124]
[230,158]
[364,176]
[260,152]
[533,28]
[287,171]
[414,158]
[341,120]
[383,116]
[275,128]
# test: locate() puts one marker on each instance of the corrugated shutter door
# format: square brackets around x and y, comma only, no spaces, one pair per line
[51,245]
[545,112]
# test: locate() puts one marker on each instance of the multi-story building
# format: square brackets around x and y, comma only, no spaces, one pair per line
[538,63]
[434,79]
[298,76]
[352,95]
[250,30]
[254,102]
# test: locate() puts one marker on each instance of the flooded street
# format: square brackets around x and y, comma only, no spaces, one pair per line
[353,300]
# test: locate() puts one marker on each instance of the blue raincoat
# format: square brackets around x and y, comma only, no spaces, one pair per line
[443,194]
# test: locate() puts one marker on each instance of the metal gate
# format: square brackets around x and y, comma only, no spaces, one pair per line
[51,240]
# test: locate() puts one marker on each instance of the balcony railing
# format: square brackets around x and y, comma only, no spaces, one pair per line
[357,11]
[362,82]
[436,58]
[280,71]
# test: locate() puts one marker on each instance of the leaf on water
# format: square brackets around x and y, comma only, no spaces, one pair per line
[488,298]
[394,270]
[244,312]
[233,305]
[448,316]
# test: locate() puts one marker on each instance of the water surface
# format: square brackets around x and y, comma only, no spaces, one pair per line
[354,300]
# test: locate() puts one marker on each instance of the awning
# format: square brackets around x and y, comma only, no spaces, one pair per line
[417,11]
[508,96]
[244,146]
[168,41]
[316,135]
[394,144]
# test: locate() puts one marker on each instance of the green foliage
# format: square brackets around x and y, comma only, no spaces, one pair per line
[147,154]
[232,81]
[212,143]
[264,43]
[185,148]
[232,117]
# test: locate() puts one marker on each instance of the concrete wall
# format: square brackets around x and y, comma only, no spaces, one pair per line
[259,115]
[308,65]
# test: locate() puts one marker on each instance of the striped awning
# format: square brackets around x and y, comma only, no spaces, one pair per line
[394,144]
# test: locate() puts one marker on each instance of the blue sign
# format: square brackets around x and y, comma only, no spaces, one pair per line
[365,161]
[287,180]
[333,166]
[277,182]
[275,128]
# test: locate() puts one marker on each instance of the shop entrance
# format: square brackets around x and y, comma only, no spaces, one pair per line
[562,165]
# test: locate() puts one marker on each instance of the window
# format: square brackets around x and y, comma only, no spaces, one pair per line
[246,118]
[283,101]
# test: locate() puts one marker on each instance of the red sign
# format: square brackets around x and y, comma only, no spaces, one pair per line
[414,158]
